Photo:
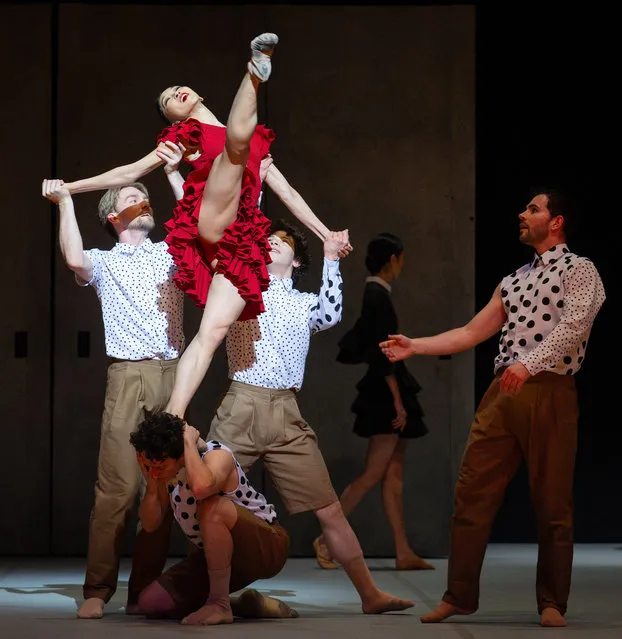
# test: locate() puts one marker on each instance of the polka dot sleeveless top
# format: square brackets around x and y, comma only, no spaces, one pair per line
[184,504]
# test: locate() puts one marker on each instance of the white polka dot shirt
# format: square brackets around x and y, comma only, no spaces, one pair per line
[184,504]
[142,308]
[551,304]
[271,351]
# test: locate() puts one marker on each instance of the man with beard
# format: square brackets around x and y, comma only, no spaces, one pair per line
[142,311]
[545,311]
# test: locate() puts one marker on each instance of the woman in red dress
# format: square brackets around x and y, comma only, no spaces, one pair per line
[217,235]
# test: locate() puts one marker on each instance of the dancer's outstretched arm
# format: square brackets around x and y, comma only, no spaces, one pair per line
[295,203]
[120,176]
[483,326]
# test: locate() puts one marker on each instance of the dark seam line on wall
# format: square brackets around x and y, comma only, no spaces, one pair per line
[54,24]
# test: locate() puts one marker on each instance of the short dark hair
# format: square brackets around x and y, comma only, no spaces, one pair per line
[560,202]
[301,248]
[380,249]
[160,436]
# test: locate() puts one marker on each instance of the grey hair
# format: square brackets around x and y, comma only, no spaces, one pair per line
[108,202]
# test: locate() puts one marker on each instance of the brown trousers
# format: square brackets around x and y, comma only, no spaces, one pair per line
[132,388]
[539,424]
[260,551]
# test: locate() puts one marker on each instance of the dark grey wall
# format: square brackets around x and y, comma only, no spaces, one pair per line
[25,382]
[374,118]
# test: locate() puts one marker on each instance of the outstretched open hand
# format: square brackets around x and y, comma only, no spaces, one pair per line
[397,347]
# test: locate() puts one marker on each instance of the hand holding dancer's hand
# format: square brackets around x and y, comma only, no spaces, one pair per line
[266,163]
[336,245]
[397,347]
[172,155]
[54,190]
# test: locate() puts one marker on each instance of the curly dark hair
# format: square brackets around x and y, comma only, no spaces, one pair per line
[301,250]
[160,436]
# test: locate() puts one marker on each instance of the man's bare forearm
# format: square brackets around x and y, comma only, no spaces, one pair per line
[200,478]
[69,237]
[455,341]
[152,507]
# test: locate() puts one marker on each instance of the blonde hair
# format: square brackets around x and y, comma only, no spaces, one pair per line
[108,202]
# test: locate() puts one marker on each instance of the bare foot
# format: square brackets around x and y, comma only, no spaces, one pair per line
[552,618]
[442,611]
[251,604]
[92,608]
[383,602]
[412,562]
[211,614]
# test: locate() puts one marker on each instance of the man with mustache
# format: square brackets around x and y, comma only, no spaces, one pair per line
[545,311]
[142,311]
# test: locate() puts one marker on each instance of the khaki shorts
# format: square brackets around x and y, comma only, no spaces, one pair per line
[263,423]
[260,551]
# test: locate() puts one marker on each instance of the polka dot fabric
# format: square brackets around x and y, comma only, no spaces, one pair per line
[184,503]
[142,308]
[551,304]
[271,351]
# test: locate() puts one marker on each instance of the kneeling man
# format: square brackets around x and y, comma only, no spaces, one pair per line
[235,532]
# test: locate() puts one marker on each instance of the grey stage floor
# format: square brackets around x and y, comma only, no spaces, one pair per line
[38,599]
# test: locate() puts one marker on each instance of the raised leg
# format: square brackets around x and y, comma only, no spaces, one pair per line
[222,308]
[221,195]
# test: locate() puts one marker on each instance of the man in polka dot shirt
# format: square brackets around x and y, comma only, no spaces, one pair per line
[259,416]
[545,312]
[235,535]
[142,311]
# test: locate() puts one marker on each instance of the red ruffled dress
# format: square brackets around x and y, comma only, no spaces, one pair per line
[243,252]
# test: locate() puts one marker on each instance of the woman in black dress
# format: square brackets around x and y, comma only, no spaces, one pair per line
[386,407]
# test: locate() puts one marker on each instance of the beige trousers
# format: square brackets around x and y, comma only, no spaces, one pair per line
[132,389]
